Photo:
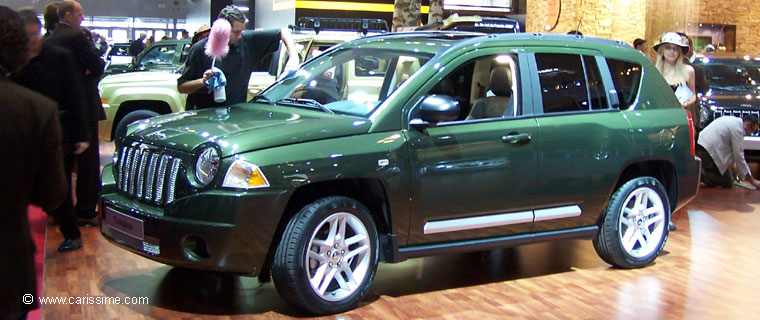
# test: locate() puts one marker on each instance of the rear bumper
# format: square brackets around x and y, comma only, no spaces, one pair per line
[688,183]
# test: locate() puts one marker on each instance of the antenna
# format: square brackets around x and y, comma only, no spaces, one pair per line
[579,27]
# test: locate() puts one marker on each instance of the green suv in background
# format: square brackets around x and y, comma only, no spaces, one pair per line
[406,145]
[137,96]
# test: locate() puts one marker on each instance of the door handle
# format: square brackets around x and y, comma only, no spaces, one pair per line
[516,138]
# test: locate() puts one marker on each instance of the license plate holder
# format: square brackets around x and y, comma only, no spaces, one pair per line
[125,224]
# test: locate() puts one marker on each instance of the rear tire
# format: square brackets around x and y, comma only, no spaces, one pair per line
[137,115]
[635,225]
[327,257]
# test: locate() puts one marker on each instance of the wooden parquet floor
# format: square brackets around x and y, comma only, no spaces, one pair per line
[708,270]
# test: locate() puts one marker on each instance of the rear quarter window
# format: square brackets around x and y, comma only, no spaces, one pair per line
[626,77]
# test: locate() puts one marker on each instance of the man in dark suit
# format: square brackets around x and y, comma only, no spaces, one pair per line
[32,170]
[136,46]
[69,34]
[51,72]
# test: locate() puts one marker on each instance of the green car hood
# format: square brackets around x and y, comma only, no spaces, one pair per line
[244,127]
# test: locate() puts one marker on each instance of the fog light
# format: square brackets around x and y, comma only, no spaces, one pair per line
[195,248]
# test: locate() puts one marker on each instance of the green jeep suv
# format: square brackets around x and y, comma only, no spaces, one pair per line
[406,145]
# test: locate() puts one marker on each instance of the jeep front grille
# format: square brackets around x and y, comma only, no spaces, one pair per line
[735,112]
[147,174]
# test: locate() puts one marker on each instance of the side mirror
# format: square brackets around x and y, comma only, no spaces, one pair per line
[368,63]
[437,108]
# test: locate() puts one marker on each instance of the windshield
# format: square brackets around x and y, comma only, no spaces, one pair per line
[351,81]
[733,75]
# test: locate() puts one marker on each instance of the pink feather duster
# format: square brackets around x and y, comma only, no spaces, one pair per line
[218,39]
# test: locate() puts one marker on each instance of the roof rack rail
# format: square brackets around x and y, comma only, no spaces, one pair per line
[342,24]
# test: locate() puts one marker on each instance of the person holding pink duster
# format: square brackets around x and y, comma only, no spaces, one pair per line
[227,65]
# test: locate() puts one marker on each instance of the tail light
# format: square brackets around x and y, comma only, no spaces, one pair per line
[691,131]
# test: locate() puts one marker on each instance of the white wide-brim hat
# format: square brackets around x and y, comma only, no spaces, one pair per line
[672,38]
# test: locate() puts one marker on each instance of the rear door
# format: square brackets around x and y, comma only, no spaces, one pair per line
[584,141]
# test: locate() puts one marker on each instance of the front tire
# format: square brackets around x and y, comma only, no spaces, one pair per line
[635,225]
[327,257]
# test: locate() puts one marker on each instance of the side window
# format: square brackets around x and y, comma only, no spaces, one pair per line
[185,53]
[626,77]
[485,87]
[595,85]
[159,55]
[563,82]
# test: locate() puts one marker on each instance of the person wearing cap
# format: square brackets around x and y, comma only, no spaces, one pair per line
[669,61]
[201,34]
[246,48]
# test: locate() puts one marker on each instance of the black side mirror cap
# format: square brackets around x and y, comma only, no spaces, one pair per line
[437,108]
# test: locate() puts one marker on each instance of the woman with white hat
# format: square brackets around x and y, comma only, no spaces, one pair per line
[670,51]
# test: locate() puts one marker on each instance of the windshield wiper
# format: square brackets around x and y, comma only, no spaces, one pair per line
[263,97]
[307,102]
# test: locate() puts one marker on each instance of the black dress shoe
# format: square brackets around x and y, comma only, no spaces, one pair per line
[70,245]
[671,226]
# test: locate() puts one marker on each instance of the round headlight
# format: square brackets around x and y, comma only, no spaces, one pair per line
[206,166]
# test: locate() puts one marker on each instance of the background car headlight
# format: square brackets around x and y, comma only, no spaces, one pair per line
[206,166]
[246,175]
[704,116]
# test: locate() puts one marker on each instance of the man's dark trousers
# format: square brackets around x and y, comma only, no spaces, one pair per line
[710,173]
[64,215]
[88,177]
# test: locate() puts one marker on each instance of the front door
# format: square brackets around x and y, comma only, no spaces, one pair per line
[475,177]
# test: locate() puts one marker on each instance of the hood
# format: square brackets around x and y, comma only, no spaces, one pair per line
[244,127]
[140,77]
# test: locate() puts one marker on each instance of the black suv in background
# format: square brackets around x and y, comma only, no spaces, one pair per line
[734,90]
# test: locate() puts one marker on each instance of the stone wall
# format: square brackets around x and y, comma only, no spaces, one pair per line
[627,20]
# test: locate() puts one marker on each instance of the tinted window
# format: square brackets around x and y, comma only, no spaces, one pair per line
[626,76]
[595,85]
[731,75]
[159,55]
[185,52]
[563,82]
[485,87]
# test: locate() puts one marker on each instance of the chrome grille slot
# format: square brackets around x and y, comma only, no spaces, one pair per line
[127,161]
[173,180]
[141,173]
[734,112]
[148,174]
[151,176]
[133,172]
[160,178]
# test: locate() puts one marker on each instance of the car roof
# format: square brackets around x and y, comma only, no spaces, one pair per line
[168,41]
[438,40]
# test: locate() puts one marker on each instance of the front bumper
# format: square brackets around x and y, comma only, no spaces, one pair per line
[225,231]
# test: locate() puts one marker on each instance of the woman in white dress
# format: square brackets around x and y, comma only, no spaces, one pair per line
[669,60]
